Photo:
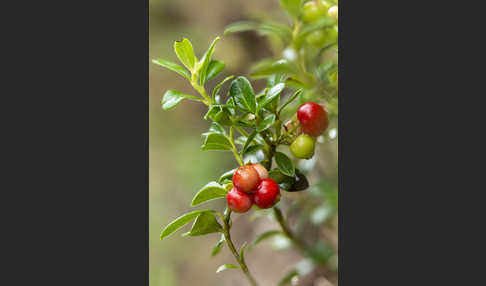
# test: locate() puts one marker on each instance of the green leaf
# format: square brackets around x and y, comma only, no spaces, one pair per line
[263,236]
[242,93]
[218,87]
[267,28]
[218,246]
[214,68]
[180,222]
[185,53]
[242,251]
[293,7]
[272,93]
[267,68]
[267,122]
[210,191]
[286,280]
[248,141]
[322,23]
[227,175]
[292,98]
[173,67]
[241,27]
[284,182]
[285,164]
[205,223]
[226,266]
[205,60]
[173,97]
[215,141]
[217,128]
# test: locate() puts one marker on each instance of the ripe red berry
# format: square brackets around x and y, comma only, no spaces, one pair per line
[262,172]
[246,179]
[313,118]
[237,201]
[267,194]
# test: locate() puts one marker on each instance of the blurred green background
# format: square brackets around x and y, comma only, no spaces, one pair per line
[178,169]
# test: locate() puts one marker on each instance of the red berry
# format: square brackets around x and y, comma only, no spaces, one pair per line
[262,172]
[239,202]
[313,118]
[246,179]
[267,194]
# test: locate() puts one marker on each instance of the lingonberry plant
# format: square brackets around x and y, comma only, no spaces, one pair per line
[305,75]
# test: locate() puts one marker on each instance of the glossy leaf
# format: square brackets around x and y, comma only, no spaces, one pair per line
[210,191]
[226,266]
[217,128]
[205,62]
[285,182]
[266,123]
[215,141]
[173,67]
[285,164]
[173,97]
[185,53]
[266,28]
[272,93]
[248,141]
[218,87]
[218,246]
[205,223]
[213,69]
[267,68]
[180,222]
[242,93]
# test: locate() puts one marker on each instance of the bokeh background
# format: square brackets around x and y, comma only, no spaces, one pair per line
[178,169]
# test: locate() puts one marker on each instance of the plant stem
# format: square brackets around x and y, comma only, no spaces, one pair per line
[233,148]
[231,246]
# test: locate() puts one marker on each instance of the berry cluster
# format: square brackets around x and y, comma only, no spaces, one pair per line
[252,186]
[315,10]
[314,120]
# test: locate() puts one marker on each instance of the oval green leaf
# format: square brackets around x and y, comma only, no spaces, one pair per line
[173,97]
[185,53]
[205,223]
[180,222]
[173,67]
[285,164]
[226,266]
[217,142]
[267,122]
[242,93]
[211,191]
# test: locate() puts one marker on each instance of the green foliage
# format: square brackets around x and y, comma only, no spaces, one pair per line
[216,142]
[242,93]
[211,191]
[284,164]
[225,267]
[303,71]
[185,53]
[180,222]
[173,97]
[205,223]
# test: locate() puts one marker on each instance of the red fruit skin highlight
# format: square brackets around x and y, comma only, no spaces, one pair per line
[238,201]
[267,194]
[313,118]
[246,179]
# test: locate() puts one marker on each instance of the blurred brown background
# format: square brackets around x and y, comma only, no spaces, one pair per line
[178,169]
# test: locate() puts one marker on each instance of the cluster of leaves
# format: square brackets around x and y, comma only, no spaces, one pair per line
[306,66]
[299,75]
